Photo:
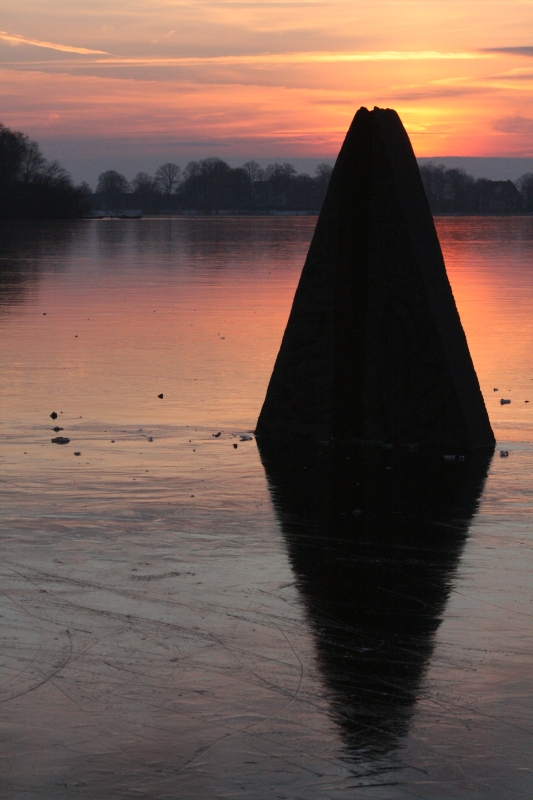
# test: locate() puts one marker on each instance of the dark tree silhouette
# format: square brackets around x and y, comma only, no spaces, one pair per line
[452,191]
[447,190]
[112,186]
[206,185]
[254,174]
[215,173]
[53,174]
[525,186]
[278,178]
[32,187]
[33,163]
[13,145]
[323,175]
[302,192]
[85,189]
[237,190]
[145,192]
[167,177]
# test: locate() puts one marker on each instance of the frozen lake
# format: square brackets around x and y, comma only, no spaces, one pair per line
[175,622]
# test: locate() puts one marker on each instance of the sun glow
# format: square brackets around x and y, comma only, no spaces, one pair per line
[269,80]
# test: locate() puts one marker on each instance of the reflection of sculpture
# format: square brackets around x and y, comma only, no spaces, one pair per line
[374,584]
[374,349]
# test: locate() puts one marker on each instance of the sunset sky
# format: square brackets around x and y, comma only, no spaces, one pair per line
[175,80]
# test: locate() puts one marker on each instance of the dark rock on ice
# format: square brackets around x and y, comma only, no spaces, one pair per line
[53,415]
[57,429]
[60,440]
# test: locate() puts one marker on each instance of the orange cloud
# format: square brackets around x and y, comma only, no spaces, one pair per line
[279,78]
[254,118]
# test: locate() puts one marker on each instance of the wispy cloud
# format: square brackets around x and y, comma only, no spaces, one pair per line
[515,124]
[520,74]
[511,51]
[164,36]
[301,58]
[273,59]
[14,38]
[436,93]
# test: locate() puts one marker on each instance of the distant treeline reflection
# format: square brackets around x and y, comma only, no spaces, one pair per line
[33,188]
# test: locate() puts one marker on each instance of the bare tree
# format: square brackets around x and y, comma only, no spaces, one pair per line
[215,174]
[53,174]
[112,186]
[288,171]
[33,162]
[525,187]
[280,177]
[167,177]
[254,173]
[323,173]
[145,190]
[32,187]
[85,189]
[12,149]
[193,170]
[142,182]
[207,185]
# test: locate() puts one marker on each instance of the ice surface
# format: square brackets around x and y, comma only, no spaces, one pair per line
[168,621]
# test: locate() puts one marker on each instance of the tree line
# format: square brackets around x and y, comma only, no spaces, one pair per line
[211,186]
[32,187]
[453,191]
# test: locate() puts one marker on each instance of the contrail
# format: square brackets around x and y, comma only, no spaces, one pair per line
[65,48]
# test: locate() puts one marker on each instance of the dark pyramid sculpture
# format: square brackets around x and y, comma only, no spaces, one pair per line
[374,349]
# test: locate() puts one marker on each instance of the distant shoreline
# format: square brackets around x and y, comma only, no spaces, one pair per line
[278,214]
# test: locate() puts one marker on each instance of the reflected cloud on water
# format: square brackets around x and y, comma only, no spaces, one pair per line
[374,538]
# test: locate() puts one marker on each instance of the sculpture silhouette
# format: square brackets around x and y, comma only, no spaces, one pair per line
[374,349]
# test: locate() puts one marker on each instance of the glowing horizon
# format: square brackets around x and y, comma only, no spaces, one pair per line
[242,78]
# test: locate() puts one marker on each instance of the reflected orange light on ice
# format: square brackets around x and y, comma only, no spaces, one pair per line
[203,327]
[196,309]
[493,292]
